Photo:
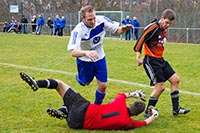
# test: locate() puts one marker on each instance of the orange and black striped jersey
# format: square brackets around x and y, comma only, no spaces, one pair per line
[152,40]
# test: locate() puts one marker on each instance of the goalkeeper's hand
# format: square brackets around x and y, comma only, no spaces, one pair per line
[153,111]
[139,94]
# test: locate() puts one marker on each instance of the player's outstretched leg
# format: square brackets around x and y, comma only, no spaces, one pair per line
[56,113]
[29,80]
[180,110]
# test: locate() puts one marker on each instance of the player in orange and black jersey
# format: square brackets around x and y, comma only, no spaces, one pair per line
[153,40]
[158,70]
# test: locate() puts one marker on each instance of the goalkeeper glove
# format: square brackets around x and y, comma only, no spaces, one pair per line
[153,111]
[139,94]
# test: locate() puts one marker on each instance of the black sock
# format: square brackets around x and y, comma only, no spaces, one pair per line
[175,100]
[152,102]
[48,83]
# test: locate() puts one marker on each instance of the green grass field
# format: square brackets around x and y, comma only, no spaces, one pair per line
[23,110]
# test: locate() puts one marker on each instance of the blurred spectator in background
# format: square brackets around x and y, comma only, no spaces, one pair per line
[136,25]
[62,25]
[24,22]
[14,26]
[50,24]
[40,23]
[128,32]
[5,26]
[33,22]
[57,25]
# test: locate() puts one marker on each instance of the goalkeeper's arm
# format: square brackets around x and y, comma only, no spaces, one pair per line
[128,95]
[154,115]
[137,94]
[150,119]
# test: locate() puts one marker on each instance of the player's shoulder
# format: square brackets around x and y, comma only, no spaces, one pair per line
[151,25]
[79,29]
[80,26]
[102,18]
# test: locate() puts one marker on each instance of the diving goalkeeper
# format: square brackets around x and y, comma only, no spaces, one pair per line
[81,114]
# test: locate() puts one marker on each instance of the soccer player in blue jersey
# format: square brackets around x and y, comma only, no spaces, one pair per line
[86,44]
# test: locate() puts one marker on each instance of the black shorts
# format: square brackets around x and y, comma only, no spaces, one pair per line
[77,107]
[157,69]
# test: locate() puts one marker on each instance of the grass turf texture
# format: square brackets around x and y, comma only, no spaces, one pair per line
[23,110]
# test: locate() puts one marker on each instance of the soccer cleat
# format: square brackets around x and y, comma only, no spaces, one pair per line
[180,111]
[32,83]
[56,113]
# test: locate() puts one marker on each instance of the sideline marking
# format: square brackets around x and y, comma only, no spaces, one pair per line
[71,73]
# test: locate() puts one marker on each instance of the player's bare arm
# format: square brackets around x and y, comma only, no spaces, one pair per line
[124,28]
[154,114]
[139,59]
[79,53]
[150,119]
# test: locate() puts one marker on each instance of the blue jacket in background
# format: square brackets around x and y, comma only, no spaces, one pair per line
[126,21]
[57,23]
[136,23]
[63,23]
[40,21]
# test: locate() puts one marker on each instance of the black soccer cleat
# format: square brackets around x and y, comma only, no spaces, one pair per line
[56,113]
[180,111]
[32,83]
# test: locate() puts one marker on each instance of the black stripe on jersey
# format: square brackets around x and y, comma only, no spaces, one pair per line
[110,114]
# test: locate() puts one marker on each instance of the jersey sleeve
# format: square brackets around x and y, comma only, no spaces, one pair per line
[110,25]
[75,39]
[135,124]
[120,96]
[144,37]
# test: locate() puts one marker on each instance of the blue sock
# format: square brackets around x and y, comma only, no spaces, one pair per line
[99,96]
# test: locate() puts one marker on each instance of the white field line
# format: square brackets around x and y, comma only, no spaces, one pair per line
[71,73]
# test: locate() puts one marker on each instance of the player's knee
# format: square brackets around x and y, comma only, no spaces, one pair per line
[175,81]
[60,82]
[160,87]
[102,88]
[87,83]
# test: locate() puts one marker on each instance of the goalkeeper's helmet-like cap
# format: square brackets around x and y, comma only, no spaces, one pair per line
[136,108]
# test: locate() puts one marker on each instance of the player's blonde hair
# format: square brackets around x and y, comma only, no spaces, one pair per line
[86,9]
[169,14]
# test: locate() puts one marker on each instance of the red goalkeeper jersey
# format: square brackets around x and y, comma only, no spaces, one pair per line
[153,41]
[111,116]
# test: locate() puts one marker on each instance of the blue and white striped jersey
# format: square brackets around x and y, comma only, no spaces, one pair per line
[85,38]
